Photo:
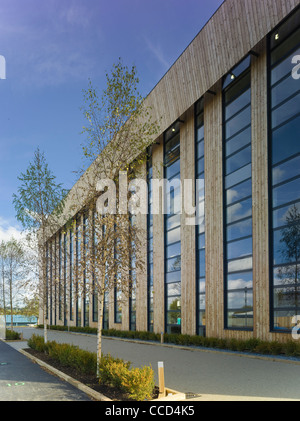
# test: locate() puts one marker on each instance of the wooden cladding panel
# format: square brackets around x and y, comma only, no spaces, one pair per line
[236,28]
[158,249]
[260,215]
[213,213]
[188,251]
[141,273]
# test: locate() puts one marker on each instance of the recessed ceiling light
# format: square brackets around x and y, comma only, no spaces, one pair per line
[277,37]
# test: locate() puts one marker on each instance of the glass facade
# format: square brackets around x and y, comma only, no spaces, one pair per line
[51,281]
[105,311]
[118,305]
[94,287]
[65,275]
[47,282]
[132,280]
[150,246]
[284,147]
[78,257]
[86,291]
[66,300]
[200,208]
[71,262]
[60,299]
[238,286]
[55,278]
[172,198]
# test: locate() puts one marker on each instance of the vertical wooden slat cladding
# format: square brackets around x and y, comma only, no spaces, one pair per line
[236,28]
[158,248]
[141,273]
[260,193]
[213,212]
[228,36]
[188,251]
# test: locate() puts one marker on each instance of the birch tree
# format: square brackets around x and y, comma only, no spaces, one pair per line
[289,273]
[119,130]
[39,203]
[15,270]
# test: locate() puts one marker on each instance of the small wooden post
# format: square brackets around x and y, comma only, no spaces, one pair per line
[161,379]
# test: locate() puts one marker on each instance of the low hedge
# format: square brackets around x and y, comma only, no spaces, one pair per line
[11,335]
[137,382]
[85,329]
[253,345]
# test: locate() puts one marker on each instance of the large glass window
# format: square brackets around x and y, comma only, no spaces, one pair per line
[238,198]
[118,304]
[86,287]
[60,278]
[55,278]
[200,226]
[78,282]
[284,145]
[150,245]
[65,275]
[51,280]
[95,274]
[105,311]
[132,280]
[172,230]
[47,282]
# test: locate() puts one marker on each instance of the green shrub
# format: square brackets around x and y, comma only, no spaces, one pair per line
[137,382]
[11,335]
[263,348]
[255,345]
[66,354]
[251,344]
[291,348]
[37,342]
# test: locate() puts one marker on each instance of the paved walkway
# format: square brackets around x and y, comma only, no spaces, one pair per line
[213,375]
[22,380]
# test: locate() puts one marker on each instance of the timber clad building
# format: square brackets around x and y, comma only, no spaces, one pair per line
[230,118]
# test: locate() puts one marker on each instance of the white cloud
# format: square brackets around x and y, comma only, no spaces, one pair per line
[76,14]
[158,53]
[8,230]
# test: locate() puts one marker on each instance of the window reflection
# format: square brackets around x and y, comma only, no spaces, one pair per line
[239,210]
[239,192]
[285,146]
[200,227]
[239,229]
[172,230]
[238,204]
[150,245]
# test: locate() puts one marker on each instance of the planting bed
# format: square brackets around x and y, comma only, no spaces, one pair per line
[88,380]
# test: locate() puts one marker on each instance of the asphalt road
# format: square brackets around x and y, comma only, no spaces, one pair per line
[199,371]
[22,380]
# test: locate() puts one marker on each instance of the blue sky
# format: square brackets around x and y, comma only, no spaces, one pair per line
[52,48]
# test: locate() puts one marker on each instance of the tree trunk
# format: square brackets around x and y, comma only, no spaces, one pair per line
[11,299]
[45,324]
[3,286]
[99,330]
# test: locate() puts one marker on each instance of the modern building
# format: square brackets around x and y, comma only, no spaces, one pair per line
[230,121]
[20,320]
